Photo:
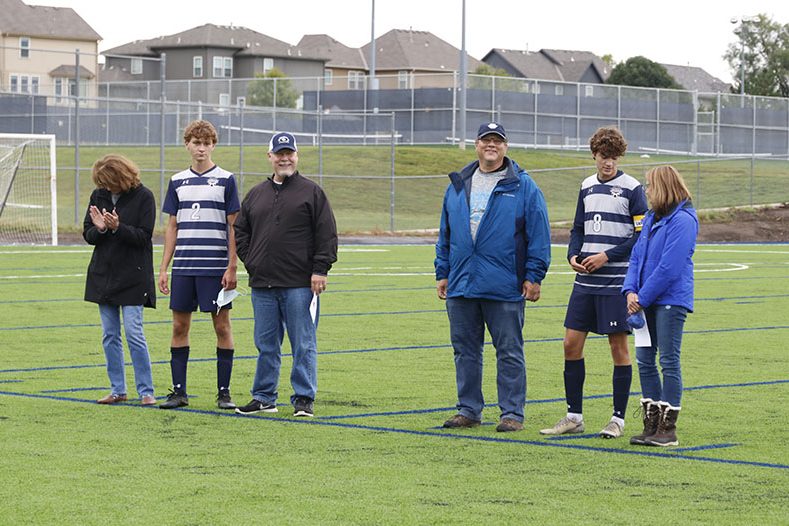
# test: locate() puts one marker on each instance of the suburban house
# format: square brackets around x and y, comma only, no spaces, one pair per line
[406,59]
[693,78]
[345,68]
[39,46]
[210,57]
[555,65]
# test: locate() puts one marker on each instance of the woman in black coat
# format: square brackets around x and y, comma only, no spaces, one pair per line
[119,224]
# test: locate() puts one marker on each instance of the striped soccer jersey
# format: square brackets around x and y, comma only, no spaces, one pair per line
[607,217]
[201,204]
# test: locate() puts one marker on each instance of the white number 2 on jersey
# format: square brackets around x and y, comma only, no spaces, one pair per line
[195,211]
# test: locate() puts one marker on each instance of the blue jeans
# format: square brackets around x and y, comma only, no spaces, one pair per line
[278,310]
[504,319]
[113,347]
[666,323]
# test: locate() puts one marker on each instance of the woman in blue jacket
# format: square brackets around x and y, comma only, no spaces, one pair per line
[660,282]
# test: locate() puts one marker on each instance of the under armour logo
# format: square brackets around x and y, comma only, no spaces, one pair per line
[612,323]
[284,139]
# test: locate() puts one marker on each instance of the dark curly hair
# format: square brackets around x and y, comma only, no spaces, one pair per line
[608,142]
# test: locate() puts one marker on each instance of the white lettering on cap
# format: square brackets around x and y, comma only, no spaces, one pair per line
[283,139]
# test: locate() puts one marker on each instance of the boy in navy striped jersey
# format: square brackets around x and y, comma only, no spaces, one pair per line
[202,202]
[611,205]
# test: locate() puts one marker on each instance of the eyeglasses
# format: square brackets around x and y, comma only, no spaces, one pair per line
[494,140]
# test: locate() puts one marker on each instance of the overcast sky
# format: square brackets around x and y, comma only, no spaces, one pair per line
[684,32]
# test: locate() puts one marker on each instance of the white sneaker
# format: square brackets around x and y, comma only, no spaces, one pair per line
[612,430]
[564,426]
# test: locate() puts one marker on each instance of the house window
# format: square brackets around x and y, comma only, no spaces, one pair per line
[588,91]
[402,79]
[13,82]
[24,47]
[83,88]
[197,67]
[223,67]
[34,85]
[136,66]
[224,99]
[535,88]
[23,83]
[354,80]
[328,77]
[268,65]
[559,90]
[58,89]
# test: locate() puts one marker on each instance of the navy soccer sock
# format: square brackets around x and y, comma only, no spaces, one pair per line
[224,368]
[623,376]
[179,357]
[574,376]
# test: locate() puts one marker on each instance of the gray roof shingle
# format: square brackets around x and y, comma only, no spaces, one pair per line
[696,79]
[336,53]
[245,41]
[406,49]
[63,23]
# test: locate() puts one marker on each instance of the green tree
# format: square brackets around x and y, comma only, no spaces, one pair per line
[762,49]
[260,91]
[482,79]
[640,71]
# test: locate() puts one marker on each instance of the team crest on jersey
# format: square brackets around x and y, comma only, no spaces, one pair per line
[616,191]
[212,181]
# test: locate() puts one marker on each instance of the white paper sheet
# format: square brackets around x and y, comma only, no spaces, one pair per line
[314,307]
[642,338]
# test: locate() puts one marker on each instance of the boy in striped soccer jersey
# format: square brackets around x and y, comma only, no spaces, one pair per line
[202,202]
[611,205]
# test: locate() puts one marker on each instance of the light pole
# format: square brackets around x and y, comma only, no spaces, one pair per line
[742,20]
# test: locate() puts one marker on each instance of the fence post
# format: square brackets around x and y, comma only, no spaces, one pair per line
[162,80]
[76,137]
[241,146]
[392,176]
[320,144]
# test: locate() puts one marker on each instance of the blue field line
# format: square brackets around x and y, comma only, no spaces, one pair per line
[431,434]
[702,448]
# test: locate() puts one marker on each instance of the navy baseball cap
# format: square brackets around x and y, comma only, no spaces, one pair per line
[492,127]
[282,141]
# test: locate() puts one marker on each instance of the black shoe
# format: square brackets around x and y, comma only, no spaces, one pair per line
[223,400]
[256,406]
[302,406]
[176,398]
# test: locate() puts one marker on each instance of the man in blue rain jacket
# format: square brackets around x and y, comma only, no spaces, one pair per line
[493,252]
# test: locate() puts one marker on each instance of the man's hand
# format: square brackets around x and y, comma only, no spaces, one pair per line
[163,288]
[441,288]
[531,291]
[576,266]
[318,283]
[594,262]
[632,303]
[229,280]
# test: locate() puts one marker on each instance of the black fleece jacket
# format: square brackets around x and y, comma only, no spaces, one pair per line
[285,233]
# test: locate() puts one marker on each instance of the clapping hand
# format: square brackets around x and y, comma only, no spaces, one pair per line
[98,218]
[111,219]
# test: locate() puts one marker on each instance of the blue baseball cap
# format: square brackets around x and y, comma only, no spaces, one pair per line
[282,141]
[492,127]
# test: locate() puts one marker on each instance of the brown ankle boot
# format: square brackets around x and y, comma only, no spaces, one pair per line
[650,414]
[666,434]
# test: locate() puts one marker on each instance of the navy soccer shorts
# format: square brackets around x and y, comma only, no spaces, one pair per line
[601,314]
[189,292]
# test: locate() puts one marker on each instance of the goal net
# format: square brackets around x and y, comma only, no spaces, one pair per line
[28,196]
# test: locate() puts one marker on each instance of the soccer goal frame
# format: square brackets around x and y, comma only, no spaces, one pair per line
[28,186]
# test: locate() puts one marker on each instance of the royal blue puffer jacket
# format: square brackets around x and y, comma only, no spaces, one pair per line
[661,264]
[513,242]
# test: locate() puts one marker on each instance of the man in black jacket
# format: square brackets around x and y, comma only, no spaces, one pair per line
[286,236]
